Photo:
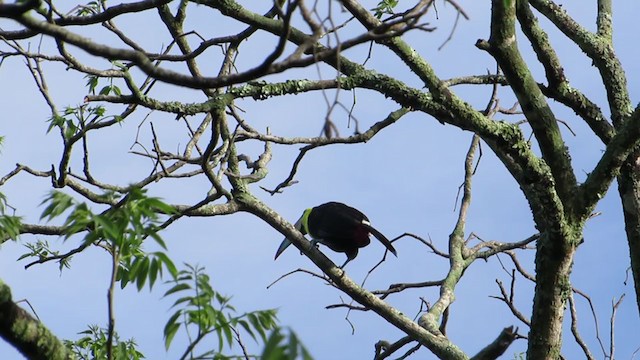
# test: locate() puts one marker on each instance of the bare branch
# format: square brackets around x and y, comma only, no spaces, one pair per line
[508,299]
[574,329]
[494,350]
[614,308]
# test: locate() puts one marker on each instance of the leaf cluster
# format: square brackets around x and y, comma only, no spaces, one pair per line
[9,224]
[203,312]
[384,7]
[284,346]
[93,345]
[75,119]
[121,230]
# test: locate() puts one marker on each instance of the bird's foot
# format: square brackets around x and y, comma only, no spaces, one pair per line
[345,264]
[314,243]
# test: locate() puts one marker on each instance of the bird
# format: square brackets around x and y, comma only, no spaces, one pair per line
[338,226]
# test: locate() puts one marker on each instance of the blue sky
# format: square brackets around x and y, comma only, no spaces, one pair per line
[405,180]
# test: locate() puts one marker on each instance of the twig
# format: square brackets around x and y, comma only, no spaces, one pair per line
[239,341]
[508,299]
[595,318]
[614,310]
[30,307]
[323,277]
[574,329]
[428,243]
[115,256]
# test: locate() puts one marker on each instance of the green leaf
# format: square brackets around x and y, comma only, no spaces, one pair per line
[154,269]
[177,288]
[98,111]
[105,227]
[170,329]
[10,226]
[182,300]
[220,339]
[247,328]
[168,264]
[292,347]
[56,121]
[92,82]
[272,349]
[224,325]
[105,90]
[143,273]
[59,202]
[253,319]
[124,276]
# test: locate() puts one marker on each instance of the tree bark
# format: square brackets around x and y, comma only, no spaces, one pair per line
[554,259]
[26,334]
[629,190]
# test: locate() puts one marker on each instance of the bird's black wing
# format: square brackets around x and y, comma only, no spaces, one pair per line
[333,220]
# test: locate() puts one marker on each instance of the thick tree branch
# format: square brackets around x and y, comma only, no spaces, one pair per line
[559,87]
[498,346]
[26,334]
[604,20]
[17,9]
[629,190]
[503,47]
[615,155]
[108,14]
[457,263]
[599,48]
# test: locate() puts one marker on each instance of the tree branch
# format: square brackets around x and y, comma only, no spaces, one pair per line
[503,47]
[498,346]
[559,87]
[26,334]
[599,49]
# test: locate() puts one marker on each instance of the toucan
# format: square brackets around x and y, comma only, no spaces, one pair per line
[338,226]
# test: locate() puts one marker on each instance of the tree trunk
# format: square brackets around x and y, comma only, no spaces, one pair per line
[629,189]
[554,259]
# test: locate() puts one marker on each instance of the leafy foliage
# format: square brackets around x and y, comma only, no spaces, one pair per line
[75,119]
[9,224]
[93,346]
[42,250]
[210,313]
[92,7]
[93,81]
[385,7]
[120,229]
[280,346]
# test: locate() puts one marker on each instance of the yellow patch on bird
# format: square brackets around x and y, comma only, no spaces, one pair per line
[305,221]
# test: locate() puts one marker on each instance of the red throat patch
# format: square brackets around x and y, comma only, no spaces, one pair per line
[362,236]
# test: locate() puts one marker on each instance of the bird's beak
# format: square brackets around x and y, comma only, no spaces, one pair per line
[286,242]
[283,245]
